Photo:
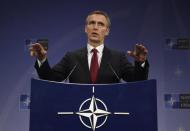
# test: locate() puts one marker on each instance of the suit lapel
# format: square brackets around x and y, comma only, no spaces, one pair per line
[104,63]
[84,64]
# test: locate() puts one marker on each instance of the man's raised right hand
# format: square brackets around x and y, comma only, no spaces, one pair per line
[38,51]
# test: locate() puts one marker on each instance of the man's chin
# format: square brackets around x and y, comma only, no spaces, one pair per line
[95,40]
[95,43]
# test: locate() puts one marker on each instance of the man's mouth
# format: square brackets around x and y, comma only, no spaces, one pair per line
[94,34]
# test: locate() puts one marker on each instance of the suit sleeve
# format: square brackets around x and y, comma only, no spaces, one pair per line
[141,73]
[58,73]
[134,72]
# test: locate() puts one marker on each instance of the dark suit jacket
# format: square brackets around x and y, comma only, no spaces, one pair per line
[114,66]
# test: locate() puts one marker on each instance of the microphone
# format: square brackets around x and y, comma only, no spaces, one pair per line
[70,73]
[114,72]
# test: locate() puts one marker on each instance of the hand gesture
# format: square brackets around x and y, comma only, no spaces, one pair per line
[139,54]
[38,51]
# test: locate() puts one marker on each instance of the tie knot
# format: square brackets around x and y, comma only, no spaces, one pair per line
[94,50]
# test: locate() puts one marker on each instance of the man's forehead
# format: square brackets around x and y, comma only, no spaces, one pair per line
[97,17]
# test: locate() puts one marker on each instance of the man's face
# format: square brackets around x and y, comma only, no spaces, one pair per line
[96,28]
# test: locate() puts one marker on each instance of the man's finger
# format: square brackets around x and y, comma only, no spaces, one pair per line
[132,54]
[37,47]
[146,51]
[141,49]
[139,46]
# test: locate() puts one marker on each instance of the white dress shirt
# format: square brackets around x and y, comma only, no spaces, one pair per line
[99,53]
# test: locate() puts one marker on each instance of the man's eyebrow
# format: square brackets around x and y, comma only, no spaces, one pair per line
[102,23]
[91,21]
[99,22]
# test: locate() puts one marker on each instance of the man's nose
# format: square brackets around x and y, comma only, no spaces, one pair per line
[95,26]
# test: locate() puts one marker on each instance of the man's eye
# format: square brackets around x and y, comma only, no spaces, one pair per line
[100,24]
[91,23]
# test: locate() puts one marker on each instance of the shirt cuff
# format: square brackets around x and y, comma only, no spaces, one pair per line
[40,63]
[143,64]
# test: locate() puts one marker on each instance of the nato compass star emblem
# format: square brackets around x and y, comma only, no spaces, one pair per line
[96,110]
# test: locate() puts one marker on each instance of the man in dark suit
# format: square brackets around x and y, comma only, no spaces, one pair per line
[95,63]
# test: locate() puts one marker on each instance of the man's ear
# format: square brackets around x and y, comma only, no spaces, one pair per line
[107,32]
[85,29]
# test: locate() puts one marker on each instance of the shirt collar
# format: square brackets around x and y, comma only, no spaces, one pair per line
[99,48]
